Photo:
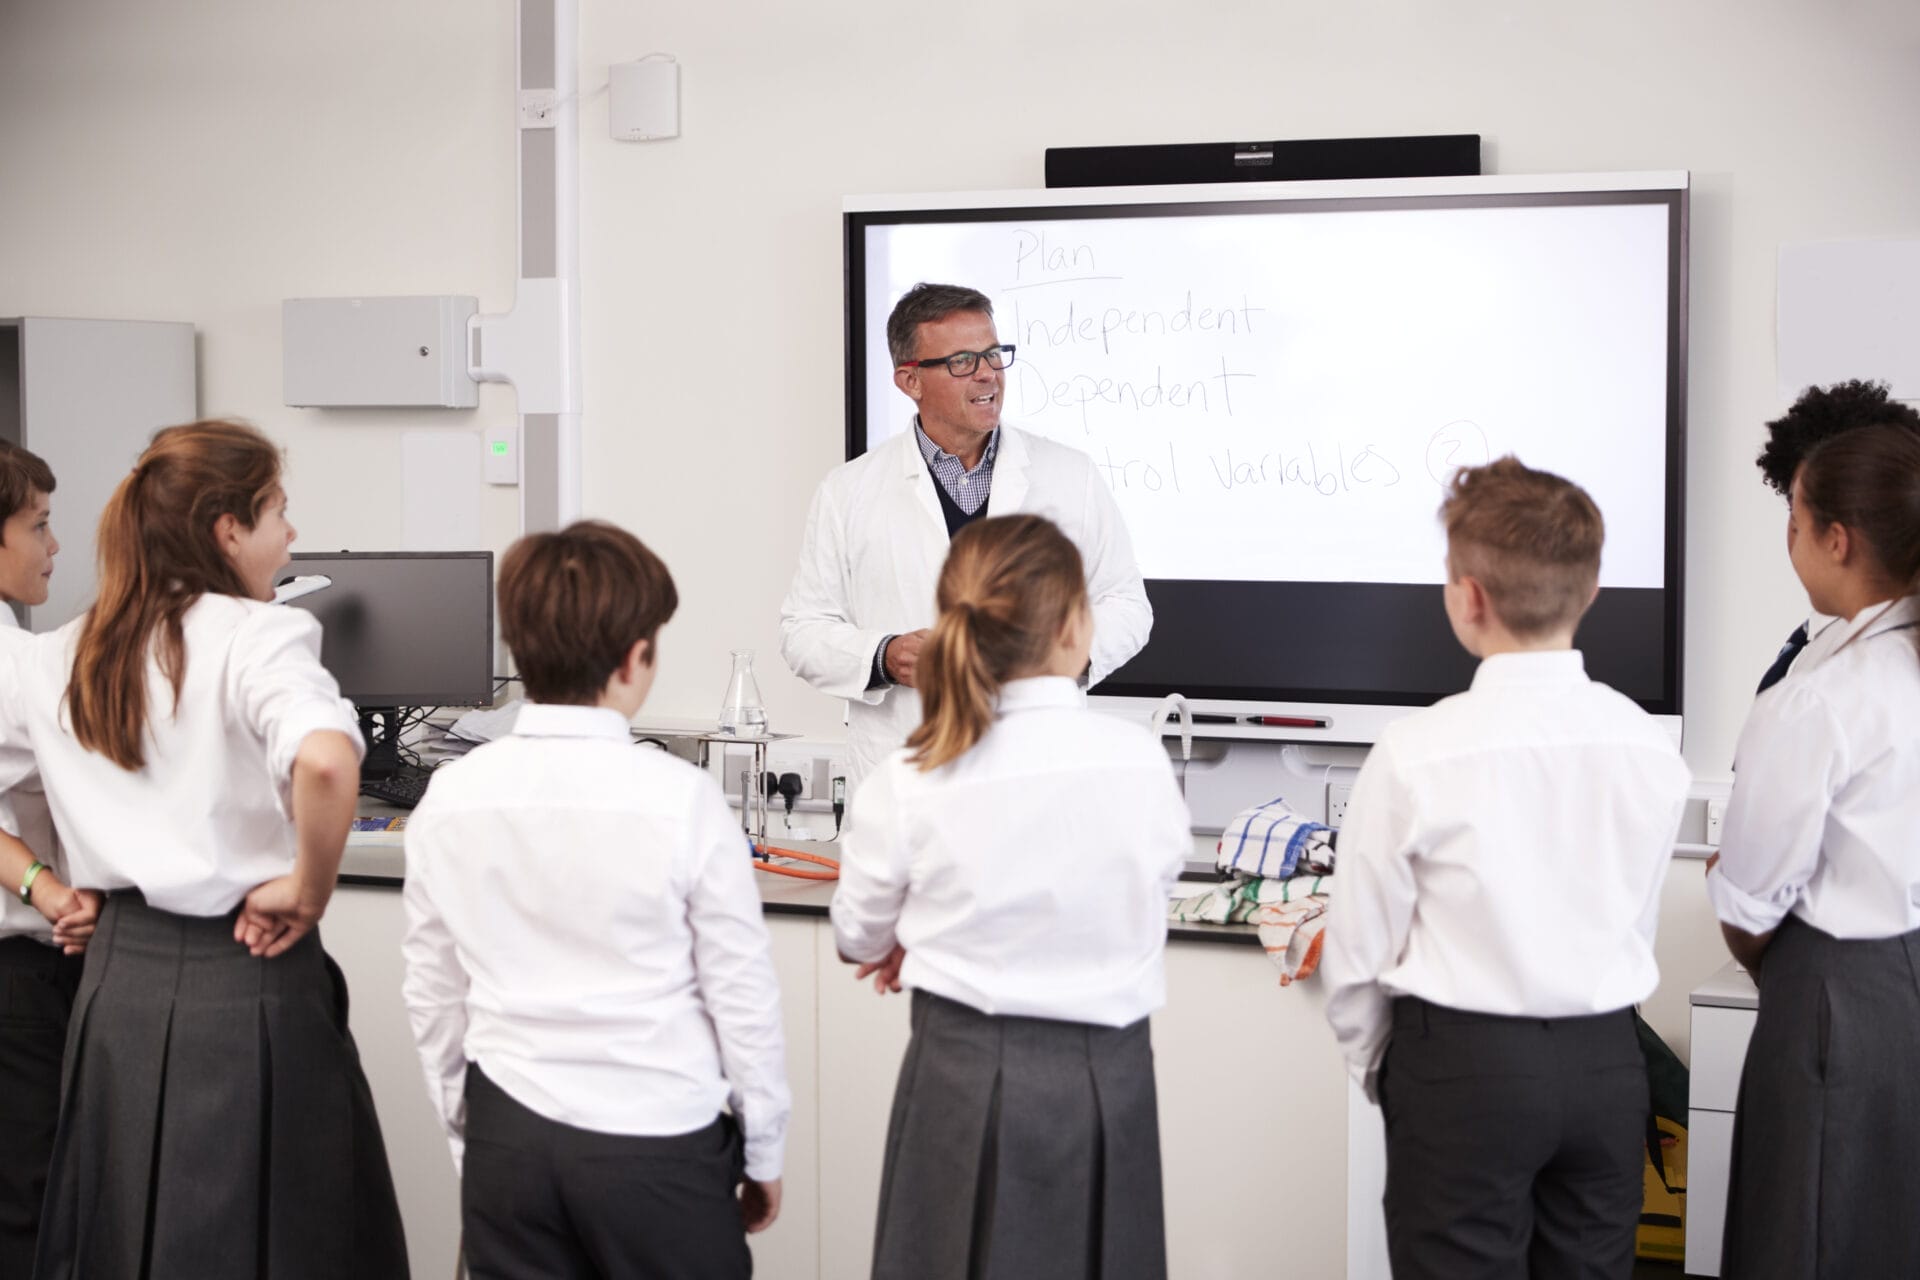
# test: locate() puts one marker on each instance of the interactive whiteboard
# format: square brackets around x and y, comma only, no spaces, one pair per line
[1276,383]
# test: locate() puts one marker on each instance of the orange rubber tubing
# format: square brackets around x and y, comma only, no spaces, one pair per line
[798,873]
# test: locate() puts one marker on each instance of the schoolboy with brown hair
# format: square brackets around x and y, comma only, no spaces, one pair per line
[44,923]
[588,971]
[1500,877]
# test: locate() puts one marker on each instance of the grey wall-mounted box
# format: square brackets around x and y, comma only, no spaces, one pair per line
[377,352]
[87,396]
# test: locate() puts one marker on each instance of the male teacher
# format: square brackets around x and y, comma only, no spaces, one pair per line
[877,534]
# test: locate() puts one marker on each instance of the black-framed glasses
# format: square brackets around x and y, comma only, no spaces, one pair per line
[961,364]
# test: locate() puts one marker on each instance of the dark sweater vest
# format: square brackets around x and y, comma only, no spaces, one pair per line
[956,518]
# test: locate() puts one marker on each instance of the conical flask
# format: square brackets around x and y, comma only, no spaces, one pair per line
[742,712]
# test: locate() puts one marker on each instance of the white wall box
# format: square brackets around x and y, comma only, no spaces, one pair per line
[87,395]
[643,103]
[377,352]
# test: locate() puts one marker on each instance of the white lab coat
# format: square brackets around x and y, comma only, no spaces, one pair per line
[871,557]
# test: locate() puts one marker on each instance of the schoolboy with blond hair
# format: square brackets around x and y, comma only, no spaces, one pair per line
[587,967]
[1500,876]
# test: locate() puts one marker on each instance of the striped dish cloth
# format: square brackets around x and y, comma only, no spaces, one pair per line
[1290,915]
[1272,842]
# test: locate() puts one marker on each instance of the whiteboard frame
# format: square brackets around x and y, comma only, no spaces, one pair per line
[1265,192]
[1344,722]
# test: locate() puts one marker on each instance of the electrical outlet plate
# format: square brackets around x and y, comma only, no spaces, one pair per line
[817,765]
[802,763]
[537,109]
[1716,815]
[1338,793]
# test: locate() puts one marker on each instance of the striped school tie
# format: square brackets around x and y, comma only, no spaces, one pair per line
[1788,652]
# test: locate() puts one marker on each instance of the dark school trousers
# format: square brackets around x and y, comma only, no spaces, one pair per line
[1515,1146]
[37,986]
[543,1199]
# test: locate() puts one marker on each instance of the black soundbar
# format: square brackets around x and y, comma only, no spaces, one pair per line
[1298,160]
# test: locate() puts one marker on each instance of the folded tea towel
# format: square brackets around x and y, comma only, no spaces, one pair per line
[1273,842]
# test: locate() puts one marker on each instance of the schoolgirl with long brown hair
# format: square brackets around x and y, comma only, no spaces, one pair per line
[202,770]
[1013,866]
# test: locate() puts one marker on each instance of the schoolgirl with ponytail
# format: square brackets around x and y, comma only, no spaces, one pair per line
[1013,866]
[202,771]
[1818,890]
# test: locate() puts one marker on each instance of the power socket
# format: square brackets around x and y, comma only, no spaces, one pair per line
[1338,793]
[1716,815]
[818,765]
[802,763]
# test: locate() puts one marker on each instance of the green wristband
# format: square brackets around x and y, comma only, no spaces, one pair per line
[26,881]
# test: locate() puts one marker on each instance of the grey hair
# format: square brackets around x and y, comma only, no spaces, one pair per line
[927,304]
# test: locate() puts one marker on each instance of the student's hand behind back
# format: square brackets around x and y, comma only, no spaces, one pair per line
[72,913]
[759,1204]
[276,915]
[886,973]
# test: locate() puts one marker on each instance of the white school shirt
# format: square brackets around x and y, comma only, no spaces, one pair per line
[1504,853]
[1030,876]
[871,554]
[1824,634]
[582,921]
[208,818]
[1824,821]
[24,813]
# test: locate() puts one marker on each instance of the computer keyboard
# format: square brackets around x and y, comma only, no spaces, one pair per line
[403,790]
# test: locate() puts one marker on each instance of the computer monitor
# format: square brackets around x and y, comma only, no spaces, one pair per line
[402,629]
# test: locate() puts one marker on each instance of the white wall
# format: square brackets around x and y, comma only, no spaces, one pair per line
[718,254]
[203,159]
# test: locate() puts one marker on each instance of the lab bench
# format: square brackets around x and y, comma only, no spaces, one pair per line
[1252,1091]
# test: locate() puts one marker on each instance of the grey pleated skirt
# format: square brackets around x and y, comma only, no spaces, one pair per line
[1826,1137]
[214,1120]
[1021,1147]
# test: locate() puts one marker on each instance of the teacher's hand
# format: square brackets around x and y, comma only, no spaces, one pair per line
[903,657]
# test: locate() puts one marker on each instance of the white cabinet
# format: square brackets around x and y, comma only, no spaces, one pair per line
[1724,1009]
[790,1249]
[87,395]
[362,933]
